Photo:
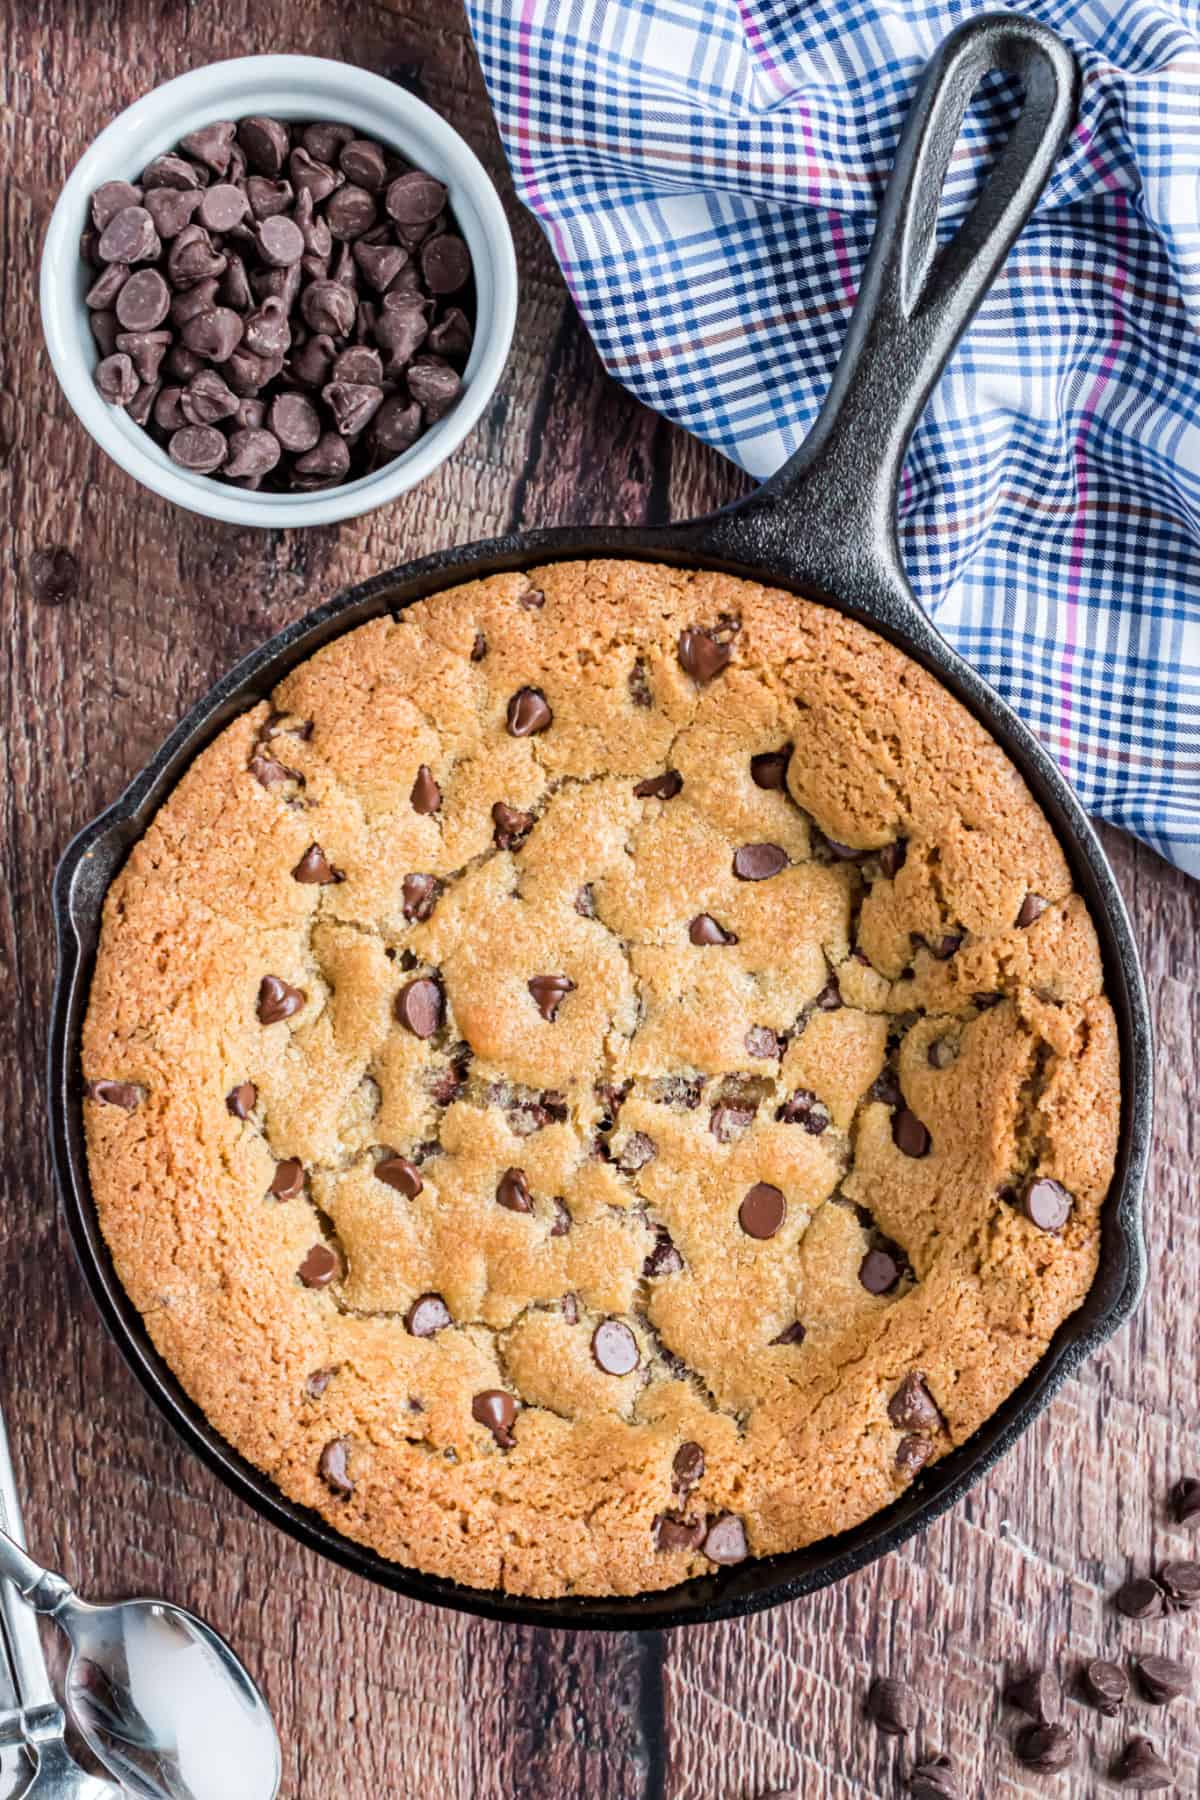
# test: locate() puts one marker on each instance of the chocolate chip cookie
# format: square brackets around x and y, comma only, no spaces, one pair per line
[603,1076]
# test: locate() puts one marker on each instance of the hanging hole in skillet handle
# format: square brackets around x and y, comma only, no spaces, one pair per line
[828,516]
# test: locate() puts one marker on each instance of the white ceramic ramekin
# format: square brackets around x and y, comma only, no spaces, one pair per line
[286,87]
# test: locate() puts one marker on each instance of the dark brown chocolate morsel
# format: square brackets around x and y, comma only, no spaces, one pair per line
[193,258]
[170,170]
[415,198]
[295,421]
[314,867]
[312,363]
[664,1259]
[615,1348]
[266,143]
[321,1266]
[1032,908]
[728,1120]
[912,1407]
[676,1531]
[211,145]
[324,138]
[1046,1748]
[434,385]
[400,330]
[705,930]
[107,285]
[758,862]
[878,1272]
[1180,1581]
[399,1173]
[255,452]
[269,198]
[761,1042]
[1140,1598]
[207,399]
[361,161]
[769,770]
[498,1411]
[359,365]
[912,1453]
[445,263]
[334,1467]
[125,1094]
[830,997]
[427,1315]
[116,379]
[528,713]
[146,350]
[1141,1768]
[327,306]
[1106,1685]
[701,655]
[638,1150]
[308,172]
[278,1000]
[327,461]
[105,330]
[214,333]
[172,209]
[350,212]
[687,1467]
[659,787]
[316,1383]
[53,574]
[242,1100]
[562,1219]
[396,425]
[762,1211]
[934,1779]
[511,827]
[129,237]
[143,301]
[803,1108]
[288,1180]
[452,334]
[1162,1678]
[200,448]
[1185,1500]
[908,1133]
[512,1191]
[893,1706]
[269,772]
[1039,1693]
[725,1539]
[892,858]
[110,198]
[222,206]
[549,992]
[426,796]
[380,263]
[419,1006]
[1046,1203]
[420,896]
[353,405]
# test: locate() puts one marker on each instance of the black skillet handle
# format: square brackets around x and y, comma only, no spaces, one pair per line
[828,516]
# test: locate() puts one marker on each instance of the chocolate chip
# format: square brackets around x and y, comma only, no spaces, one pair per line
[1046,1748]
[1139,1598]
[129,237]
[434,385]
[400,331]
[321,1266]
[941,1053]
[705,930]
[143,303]
[727,1121]
[452,335]
[943,948]
[549,992]
[445,263]
[242,1100]
[328,461]
[830,997]
[911,1407]
[659,787]
[791,1334]
[266,143]
[107,286]
[769,770]
[193,259]
[211,145]
[512,1191]
[687,1467]
[892,1706]
[497,1410]
[562,1219]
[585,901]
[1185,1500]
[427,1315]
[361,161]
[419,1006]
[1140,1766]
[353,405]
[420,896]
[614,1348]
[639,1149]
[701,655]
[253,453]
[664,1259]
[117,380]
[415,198]
[172,171]
[803,1108]
[288,1179]
[334,1467]
[908,1133]
[125,1094]
[1045,1203]
[878,1272]
[316,1383]
[676,1531]
[762,1211]
[426,796]
[351,212]
[1106,1685]
[200,448]
[172,209]
[395,426]
[758,862]
[912,1453]
[359,366]
[511,827]
[1180,1582]
[53,575]
[528,712]
[1162,1678]
[892,858]
[269,772]
[1032,907]
[295,421]
[207,399]
[110,198]
[400,1174]
[277,1000]
[886,1089]
[315,868]
[1039,1693]
[843,852]
[934,1779]
[725,1539]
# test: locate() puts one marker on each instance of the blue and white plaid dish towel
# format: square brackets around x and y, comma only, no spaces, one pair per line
[708,172]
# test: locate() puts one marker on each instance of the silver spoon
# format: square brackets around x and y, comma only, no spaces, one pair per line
[31,1720]
[160,1699]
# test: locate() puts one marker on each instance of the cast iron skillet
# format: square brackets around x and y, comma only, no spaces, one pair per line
[825,526]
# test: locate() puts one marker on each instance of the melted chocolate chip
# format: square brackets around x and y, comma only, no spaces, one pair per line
[803,1108]
[762,1211]
[277,1000]
[705,930]
[912,1453]
[269,772]
[478,647]
[878,1272]
[687,1467]
[791,1334]
[725,1539]
[830,997]
[892,858]
[615,1348]
[639,1149]
[701,655]
[419,1006]
[420,897]
[911,1407]
[549,992]
[659,787]
[769,770]
[512,1191]
[400,1174]
[497,1410]
[761,1042]
[676,1531]
[316,1383]
[1032,908]
[758,862]
[242,1099]
[316,869]
[528,713]
[562,1219]
[427,1315]
[288,1179]
[909,1135]
[664,1259]
[511,827]
[125,1094]
[321,1266]
[334,1467]
[727,1121]
[1046,1204]
[585,902]
[426,796]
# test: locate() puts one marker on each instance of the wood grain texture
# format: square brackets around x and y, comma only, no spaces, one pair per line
[377,1697]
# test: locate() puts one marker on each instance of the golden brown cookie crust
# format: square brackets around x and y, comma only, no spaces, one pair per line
[833,1017]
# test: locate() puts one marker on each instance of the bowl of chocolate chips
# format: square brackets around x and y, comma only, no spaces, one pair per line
[279,290]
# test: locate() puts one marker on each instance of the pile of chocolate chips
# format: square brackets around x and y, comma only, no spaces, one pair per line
[1047,1744]
[287,306]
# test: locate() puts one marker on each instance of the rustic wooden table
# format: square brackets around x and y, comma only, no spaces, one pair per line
[377,1697]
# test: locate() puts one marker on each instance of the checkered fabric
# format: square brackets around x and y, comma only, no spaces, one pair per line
[708,172]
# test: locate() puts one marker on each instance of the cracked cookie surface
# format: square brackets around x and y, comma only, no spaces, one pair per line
[605,1074]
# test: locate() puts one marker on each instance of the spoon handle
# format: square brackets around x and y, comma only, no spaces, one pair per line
[20,1624]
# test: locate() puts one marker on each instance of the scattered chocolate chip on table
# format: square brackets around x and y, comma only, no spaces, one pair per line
[285,306]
